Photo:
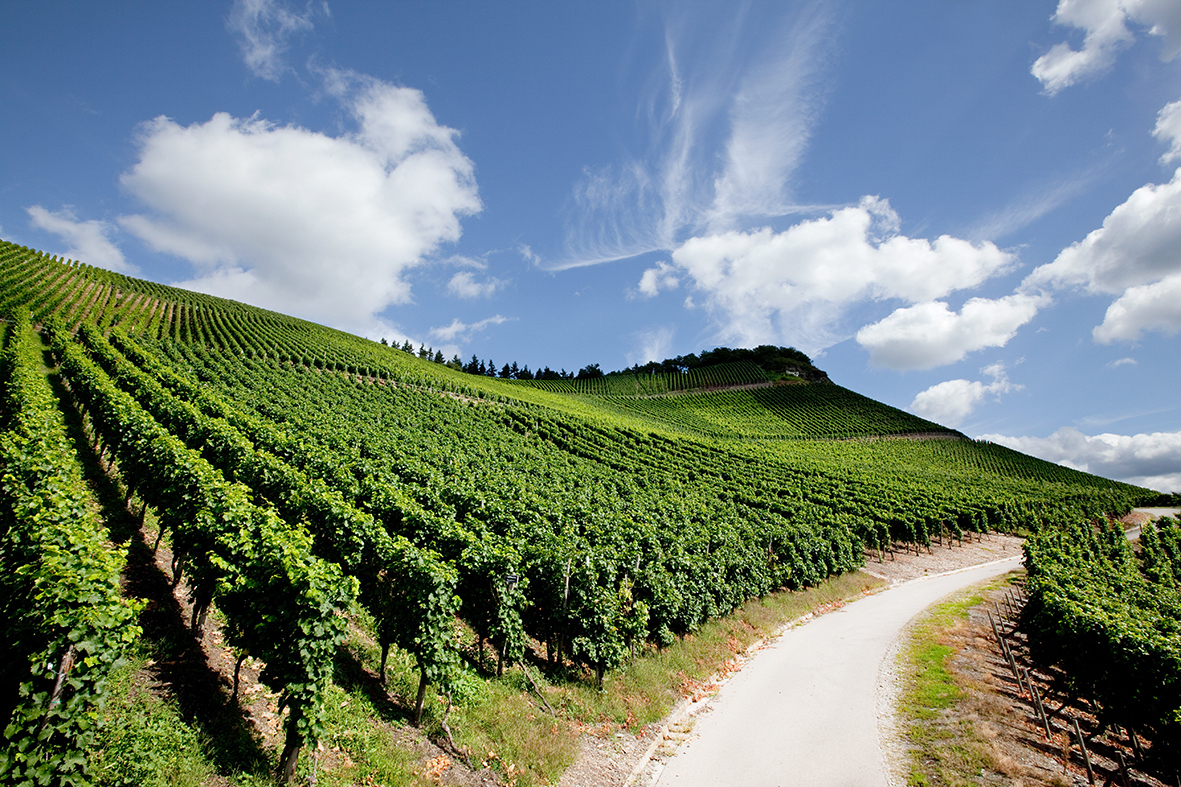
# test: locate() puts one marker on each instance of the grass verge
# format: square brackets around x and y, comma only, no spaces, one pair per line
[499,723]
[941,713]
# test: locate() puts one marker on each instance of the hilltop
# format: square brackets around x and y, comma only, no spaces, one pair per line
[337,509]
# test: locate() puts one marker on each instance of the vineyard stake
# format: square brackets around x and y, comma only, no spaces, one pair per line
[1082,744]
[1136,744]
[1041,709]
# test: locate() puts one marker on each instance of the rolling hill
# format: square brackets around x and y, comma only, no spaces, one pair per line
[307,481]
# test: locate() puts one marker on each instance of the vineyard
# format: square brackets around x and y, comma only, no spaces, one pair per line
[1107,620]
[306,480]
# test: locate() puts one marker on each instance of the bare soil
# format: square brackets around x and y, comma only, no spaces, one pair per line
[993,735]
[904,564]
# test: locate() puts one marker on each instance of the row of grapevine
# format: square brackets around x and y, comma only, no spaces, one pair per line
[555,489]
[537,504]
[1160,552]
[800,411]
[481,560]
[281,604]
[409,591]
[1112,623]
[66,623]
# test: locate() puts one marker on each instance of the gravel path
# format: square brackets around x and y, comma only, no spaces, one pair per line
[804,710]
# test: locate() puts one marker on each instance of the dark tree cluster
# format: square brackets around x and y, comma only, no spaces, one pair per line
[426,353]
[510,371]
[772,359]
[766,356]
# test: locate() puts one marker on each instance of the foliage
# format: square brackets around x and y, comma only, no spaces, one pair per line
[296,465]
[66,623]
[1112,622]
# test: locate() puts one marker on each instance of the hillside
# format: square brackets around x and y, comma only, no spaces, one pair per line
[310,483]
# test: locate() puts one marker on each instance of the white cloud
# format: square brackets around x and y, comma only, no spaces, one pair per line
[930,334]
[463,261]
[724,138]
[771,118]
[1146,308]
[301,222]
[263,28]
[464,285]
[1106,34]
[793,286]
[1152,460]
[1168,129]
[662,277]
[461,330]
[1137,244]
[950,402]
[1104,23]
[1133,255]
[652,345]
[1122,362]
[89,241]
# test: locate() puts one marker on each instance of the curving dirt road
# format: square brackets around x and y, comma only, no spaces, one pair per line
[804,710]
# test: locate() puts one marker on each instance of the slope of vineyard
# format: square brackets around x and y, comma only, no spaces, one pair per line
[304,476]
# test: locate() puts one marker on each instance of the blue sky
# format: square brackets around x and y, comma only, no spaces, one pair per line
[971,210]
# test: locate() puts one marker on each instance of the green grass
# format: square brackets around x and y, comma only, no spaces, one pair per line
[500,723]
[143,740]
[944,750]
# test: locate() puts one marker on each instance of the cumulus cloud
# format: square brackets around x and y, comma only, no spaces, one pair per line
[930,334]
[464,331]
[295,220]
[764,286]
[1105,26]
[465,285]
[1122,362]
[662,277]
[1136,245]
[1133,255]
[263,29]
[1150,307]
[1151,460]
[950,402]
[89,241]
[1168,130]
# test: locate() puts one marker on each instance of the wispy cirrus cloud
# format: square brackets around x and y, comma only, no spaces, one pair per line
[728,120]
[462,331]
[264,29]
[1030,206]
